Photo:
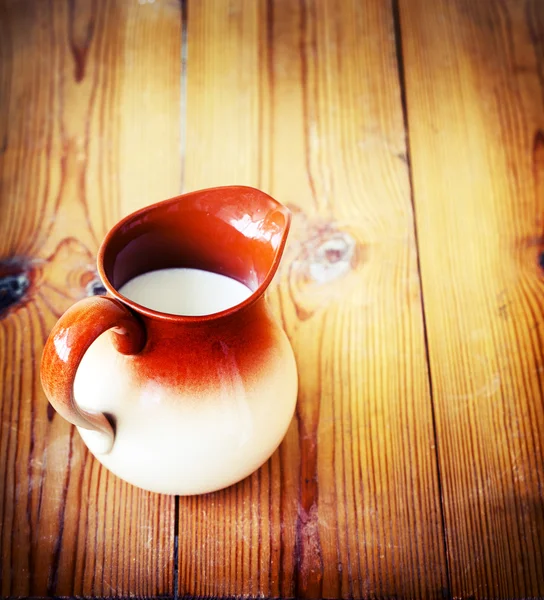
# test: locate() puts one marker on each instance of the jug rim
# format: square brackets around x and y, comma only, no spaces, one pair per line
[174,318]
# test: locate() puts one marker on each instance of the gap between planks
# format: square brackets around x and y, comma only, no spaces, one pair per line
[395,11]
[182,152]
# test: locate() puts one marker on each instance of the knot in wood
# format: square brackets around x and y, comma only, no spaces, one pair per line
[14,283]
[332,257]
[95,287]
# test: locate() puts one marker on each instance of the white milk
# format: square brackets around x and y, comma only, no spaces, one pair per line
[189,292]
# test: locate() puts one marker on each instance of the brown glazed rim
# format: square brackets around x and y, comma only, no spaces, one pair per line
[155,314]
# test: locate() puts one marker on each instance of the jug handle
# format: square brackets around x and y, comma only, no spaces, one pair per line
[70,338]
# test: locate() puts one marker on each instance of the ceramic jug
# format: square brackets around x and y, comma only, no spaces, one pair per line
[180,404]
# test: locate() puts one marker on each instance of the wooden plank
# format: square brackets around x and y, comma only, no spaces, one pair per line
[475,89]
[303,100]
[90,130]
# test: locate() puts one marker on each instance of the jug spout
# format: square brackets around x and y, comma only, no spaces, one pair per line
[235,231]
[262,225]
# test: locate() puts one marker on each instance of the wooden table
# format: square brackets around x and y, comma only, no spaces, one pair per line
[407,137]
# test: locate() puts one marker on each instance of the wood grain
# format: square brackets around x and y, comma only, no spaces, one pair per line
[303,100]
[89,130]
[475,90]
